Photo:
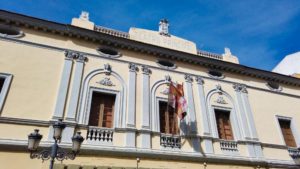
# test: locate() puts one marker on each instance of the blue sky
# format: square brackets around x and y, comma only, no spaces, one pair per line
[259,32]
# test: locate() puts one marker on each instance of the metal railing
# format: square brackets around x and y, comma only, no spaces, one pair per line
[171,141]
[294,152]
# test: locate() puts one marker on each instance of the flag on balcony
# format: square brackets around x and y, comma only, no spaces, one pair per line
[176,100]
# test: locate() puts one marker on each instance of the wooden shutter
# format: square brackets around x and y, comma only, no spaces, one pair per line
[102,109]
[287,133]
[224,125]
[168,119]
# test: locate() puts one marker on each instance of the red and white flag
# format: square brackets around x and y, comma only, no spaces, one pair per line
[176,100]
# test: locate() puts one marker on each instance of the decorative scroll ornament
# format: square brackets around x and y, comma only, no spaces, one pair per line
[71,55]
[165,91]
[219,87]
[240,88]
[188,78]
[81,58]
[107,69]
[75,55]
[146,70]
[133,67]
[199,80]
[106,82]
[221,100]
[168,78]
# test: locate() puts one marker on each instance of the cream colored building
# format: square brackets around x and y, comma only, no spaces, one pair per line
[238,117]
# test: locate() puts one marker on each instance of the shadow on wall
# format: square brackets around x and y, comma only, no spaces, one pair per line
[189,134]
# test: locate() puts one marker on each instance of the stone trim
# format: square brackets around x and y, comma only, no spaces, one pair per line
[293,127]
[152,67]
[76,85]
[68,30]
[85,98]
[19,145]
[64,85]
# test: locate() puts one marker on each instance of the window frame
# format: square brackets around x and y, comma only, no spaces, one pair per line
[230,120]
[233,122]
[161,99]
[293,129]
[5,88]
[104,91]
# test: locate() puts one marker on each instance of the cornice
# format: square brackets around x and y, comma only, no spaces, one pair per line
[125,43]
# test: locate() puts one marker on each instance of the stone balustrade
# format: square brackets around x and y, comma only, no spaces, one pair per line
[99,135]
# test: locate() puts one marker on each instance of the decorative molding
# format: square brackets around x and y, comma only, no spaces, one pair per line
[199,80]
[240,88]
[73,31]
[71,54]
[188,78]
[146,70]
[20,145]
[221,100]
[106,82]
[168,78]
[64,85]
[219,88]
[81,58]
[165,91]
[153,67]
[107,69]
[133,67]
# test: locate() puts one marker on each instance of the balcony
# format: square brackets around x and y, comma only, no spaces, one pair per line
[229,147]
[96,135]
[170,141]
[294,152]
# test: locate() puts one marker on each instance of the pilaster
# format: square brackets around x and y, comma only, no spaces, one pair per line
[76,84]
[131,95]
[239,88]
[145,136]
[64,85]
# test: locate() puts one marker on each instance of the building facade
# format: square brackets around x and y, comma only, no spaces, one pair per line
[113,87]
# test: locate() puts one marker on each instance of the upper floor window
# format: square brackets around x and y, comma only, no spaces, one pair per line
[5,80]
[285,126]
[223,124]
[274,86]
[108,52]
[215,74]
[2,80]
[102,110]
[168,119]
[166,64]
[9,31]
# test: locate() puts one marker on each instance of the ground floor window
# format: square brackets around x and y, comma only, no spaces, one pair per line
[102,110]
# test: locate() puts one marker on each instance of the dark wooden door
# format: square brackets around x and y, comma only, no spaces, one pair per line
[102,109]
[223,124]
[168,119]
[287,133]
